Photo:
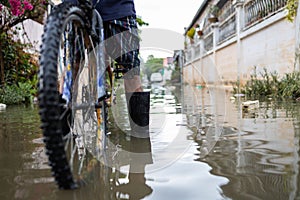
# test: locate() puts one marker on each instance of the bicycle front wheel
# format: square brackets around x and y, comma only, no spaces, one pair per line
[72,119]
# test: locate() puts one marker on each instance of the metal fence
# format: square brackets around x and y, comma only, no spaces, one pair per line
[227,21]
[208,42]
[256,10]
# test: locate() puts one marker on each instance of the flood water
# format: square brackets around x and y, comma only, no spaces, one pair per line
[204,145]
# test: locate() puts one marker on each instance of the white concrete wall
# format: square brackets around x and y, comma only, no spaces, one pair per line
[271,46]
[34,31]
[227,63]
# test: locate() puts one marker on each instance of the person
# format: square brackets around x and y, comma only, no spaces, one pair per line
[121,32]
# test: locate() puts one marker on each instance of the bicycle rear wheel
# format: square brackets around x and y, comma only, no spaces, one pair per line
[72,121]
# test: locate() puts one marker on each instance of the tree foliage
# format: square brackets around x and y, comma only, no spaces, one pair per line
[141,22]
[17,11]
[292,6]
[153,65]
[17,67]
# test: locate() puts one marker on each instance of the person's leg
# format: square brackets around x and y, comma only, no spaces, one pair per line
[122,44]
[133,85]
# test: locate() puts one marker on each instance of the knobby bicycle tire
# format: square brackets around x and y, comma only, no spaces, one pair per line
[68,90]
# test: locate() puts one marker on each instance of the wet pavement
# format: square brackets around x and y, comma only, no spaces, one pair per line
[204,145]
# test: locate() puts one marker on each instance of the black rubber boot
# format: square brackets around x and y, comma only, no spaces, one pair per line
[138,104]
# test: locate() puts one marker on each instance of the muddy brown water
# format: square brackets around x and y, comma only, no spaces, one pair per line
[211,148]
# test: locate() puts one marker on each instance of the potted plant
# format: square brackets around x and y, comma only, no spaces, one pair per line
[191,32]
[213,13]
[198,30]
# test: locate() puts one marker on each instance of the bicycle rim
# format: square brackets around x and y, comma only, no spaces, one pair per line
[67,95]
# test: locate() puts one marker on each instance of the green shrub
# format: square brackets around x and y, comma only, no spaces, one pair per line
[290,86]
[17,93]
[269,85]
[18,72]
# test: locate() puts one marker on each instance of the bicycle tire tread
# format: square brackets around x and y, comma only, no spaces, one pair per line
[48,97]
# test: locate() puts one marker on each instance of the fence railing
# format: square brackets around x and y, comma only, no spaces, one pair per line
[209,42]
[207,29]
[227,20]
[188,55]
[256,10]
[197,50]
[226,11]
[227,29]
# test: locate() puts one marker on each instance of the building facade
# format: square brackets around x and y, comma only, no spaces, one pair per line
[227,39]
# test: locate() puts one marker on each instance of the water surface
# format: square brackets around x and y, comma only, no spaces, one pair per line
[203,146]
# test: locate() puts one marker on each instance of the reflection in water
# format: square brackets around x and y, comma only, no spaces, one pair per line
[135,186]
[257,152]
[167,169]
[21,154]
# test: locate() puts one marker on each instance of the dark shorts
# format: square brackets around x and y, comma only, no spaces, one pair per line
[122,43]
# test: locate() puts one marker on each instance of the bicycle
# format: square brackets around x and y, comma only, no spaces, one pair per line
[72,90]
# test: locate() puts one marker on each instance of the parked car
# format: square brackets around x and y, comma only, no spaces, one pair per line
[156,78]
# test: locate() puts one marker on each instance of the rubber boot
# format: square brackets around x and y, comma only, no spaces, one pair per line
[138,104]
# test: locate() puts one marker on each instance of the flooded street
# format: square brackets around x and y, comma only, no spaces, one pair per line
[203,144]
